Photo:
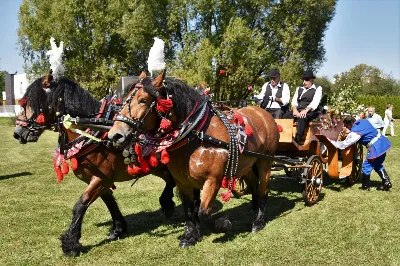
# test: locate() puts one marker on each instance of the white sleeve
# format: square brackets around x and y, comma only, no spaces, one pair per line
[262,93]
[351,138]
[317,98]
[285,94]
[295,96]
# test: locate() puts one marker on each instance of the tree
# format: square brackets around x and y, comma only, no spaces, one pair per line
[2,84]
[370,79]
[245,39]
[103,39]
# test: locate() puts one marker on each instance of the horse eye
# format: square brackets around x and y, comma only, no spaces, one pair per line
[143,101]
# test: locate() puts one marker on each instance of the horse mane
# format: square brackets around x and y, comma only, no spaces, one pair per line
[76,101]
[183,96]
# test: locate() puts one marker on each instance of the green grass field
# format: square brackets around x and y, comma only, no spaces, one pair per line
[346,227]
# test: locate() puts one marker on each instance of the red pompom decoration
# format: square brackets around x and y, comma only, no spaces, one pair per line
[144,166]
[238,119]
[248,130]
[153,160]
[74,164]
[133,169]
[64,168]
[225,182]
[164,157]
[40,119]
[165,124]
[138,151]
[280,128]
[222,72]
[226,196]
[163,105]
[23,102]
[59,174]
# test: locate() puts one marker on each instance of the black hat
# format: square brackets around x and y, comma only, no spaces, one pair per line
[308,74]
[274,73]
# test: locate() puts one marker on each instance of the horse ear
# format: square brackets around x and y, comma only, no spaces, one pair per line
[142,75]
[158,82]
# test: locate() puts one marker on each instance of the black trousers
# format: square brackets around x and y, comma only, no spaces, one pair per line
[275,112]
[301,122]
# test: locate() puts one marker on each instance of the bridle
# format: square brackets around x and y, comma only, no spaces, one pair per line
[31,124]
[135,123]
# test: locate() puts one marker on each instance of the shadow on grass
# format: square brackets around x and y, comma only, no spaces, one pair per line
[4,177]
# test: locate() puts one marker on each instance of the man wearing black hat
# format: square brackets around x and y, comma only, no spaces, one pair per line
[304,103]
[275,95]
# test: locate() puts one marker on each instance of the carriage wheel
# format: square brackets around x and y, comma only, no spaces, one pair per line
[240,188]
[358,158]
[313,180]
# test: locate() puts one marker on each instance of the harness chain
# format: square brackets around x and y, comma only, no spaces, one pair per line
[233,148]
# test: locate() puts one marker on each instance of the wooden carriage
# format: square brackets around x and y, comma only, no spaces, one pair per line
[308,162]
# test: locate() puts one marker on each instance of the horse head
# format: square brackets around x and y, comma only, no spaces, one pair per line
[37,114]
[139,113]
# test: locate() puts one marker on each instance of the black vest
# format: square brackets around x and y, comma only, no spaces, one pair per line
[307,97]
[268,92]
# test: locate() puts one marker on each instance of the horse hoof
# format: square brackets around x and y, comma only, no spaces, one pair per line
[72,253]
[222,225]
[116,235]
[185,243]
[257,226]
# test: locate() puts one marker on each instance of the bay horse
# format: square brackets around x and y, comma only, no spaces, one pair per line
[98,165]
[204,151]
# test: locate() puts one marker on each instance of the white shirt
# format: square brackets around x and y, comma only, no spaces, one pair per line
[376,121]
[316,100]
[285,94]
[388,115]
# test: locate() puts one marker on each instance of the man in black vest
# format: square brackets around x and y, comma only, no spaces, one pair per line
[305,103]
[275,95]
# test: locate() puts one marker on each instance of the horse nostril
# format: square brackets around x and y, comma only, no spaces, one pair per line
[17,136]
[118,138]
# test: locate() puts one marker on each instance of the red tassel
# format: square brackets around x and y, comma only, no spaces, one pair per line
[226,196]
[225,182]
[40,118]
[153,160]
[163,105]
[138,151]
[280,128]
[164,157]
[144,166]
[23,102]
[59,174]
[165,124]
[248,130]
[64,168]
[238,119]
[133,169]
[74,164]
[233,183]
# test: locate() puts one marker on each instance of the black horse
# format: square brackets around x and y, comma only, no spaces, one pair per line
[97,164]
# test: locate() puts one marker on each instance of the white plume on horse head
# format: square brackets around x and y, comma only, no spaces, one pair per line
[155,62]
[55,58]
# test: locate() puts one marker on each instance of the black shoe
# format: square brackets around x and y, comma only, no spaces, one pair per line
[386,185]
[365,179]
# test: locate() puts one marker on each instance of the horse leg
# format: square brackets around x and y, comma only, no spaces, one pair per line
[264,170]
[118,229]
[166,202]
[210,191]
[70,238]
[191,233]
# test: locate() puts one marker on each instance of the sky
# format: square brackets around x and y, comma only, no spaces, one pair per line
[361,32]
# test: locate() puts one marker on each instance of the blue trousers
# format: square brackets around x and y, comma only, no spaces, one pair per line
[376,165]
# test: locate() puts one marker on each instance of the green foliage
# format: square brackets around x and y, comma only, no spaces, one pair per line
[344,101]
[380,103]
[246,39]
[2,85]
[372,81]
[103,40]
